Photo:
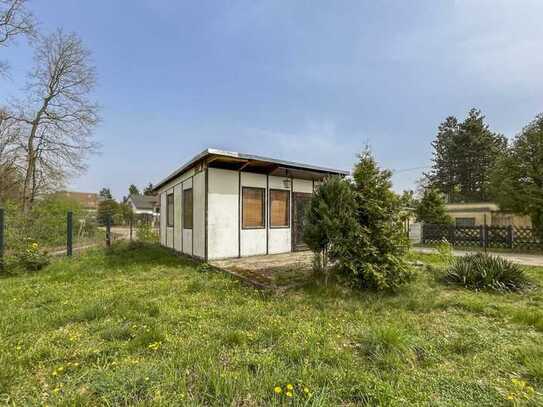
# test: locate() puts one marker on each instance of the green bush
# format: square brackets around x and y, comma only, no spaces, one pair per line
[145,233]
[485,272]
[30,256]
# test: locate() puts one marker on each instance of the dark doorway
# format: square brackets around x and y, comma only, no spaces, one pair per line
[300,200]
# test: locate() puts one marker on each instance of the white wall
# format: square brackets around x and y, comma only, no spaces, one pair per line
[222,213]
[163,218]
[302,185]
[177,218]
[279,238]
[187,233]
[169,230]
[225,237]
[198,231]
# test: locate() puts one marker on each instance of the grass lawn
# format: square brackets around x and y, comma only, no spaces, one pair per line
[144,327]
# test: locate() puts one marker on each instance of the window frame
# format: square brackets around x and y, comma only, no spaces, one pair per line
[287,226]
[263,194]
[185,211]
[470,220]
[170,223]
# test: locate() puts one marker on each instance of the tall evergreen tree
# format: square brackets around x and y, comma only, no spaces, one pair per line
[133,190]
[517,179]
[105,193]
[463,158]
[431,208]
[378,213]
[148,190]
[444,174]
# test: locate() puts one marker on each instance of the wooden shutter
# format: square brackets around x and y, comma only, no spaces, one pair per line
[187,209]
[279,208]
[253,207]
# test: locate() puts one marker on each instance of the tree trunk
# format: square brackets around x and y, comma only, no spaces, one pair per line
[29,190]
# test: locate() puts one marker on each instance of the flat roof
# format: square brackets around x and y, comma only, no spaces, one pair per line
[246,157]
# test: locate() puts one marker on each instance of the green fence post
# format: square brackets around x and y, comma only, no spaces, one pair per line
[1,239]
[69,233]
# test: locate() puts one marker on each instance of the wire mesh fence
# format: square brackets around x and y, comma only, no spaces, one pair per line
[52,234]
[39,234]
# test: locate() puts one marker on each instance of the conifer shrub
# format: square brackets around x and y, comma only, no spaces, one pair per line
[355,225]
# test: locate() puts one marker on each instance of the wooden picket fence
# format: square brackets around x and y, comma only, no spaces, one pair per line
[498,237]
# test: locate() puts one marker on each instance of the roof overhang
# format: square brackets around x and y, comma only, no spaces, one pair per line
[252,163]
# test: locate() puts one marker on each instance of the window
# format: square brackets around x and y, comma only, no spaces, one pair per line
[465,221]
[253,208]
[187,209]
[169,210]
[279,208]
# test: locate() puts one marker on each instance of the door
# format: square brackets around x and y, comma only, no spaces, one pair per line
[300,200]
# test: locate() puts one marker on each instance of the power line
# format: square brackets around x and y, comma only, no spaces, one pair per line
[410,169]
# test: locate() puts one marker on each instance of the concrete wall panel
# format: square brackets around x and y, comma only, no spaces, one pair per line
[223,187]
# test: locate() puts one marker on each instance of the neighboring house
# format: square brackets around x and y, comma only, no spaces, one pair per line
[475,214]
[87,200]
[224,204]
[145,206]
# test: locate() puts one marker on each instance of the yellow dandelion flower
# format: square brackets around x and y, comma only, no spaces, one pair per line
[289,394]
[290,386]
[306,390]
[277,390]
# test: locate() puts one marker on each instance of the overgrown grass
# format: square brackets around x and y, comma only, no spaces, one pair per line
[140,326]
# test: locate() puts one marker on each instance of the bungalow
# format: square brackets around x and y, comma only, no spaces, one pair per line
[484,213]
[224,204]
[145,207]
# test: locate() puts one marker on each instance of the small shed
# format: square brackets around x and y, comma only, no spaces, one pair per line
[224,204]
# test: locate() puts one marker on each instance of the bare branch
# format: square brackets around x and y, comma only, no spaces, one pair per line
[59,118]
[15,20]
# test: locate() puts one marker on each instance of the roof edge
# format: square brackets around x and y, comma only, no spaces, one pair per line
[233,154]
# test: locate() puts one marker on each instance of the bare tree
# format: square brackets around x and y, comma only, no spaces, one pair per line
[10,175]
[58,118]
[15,21]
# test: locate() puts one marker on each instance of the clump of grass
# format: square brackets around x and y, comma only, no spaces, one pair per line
[387,346]
[531,357]
[485,272]
[530,317]
[117,332]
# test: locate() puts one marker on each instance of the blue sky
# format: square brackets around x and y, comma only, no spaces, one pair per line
[310,81]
